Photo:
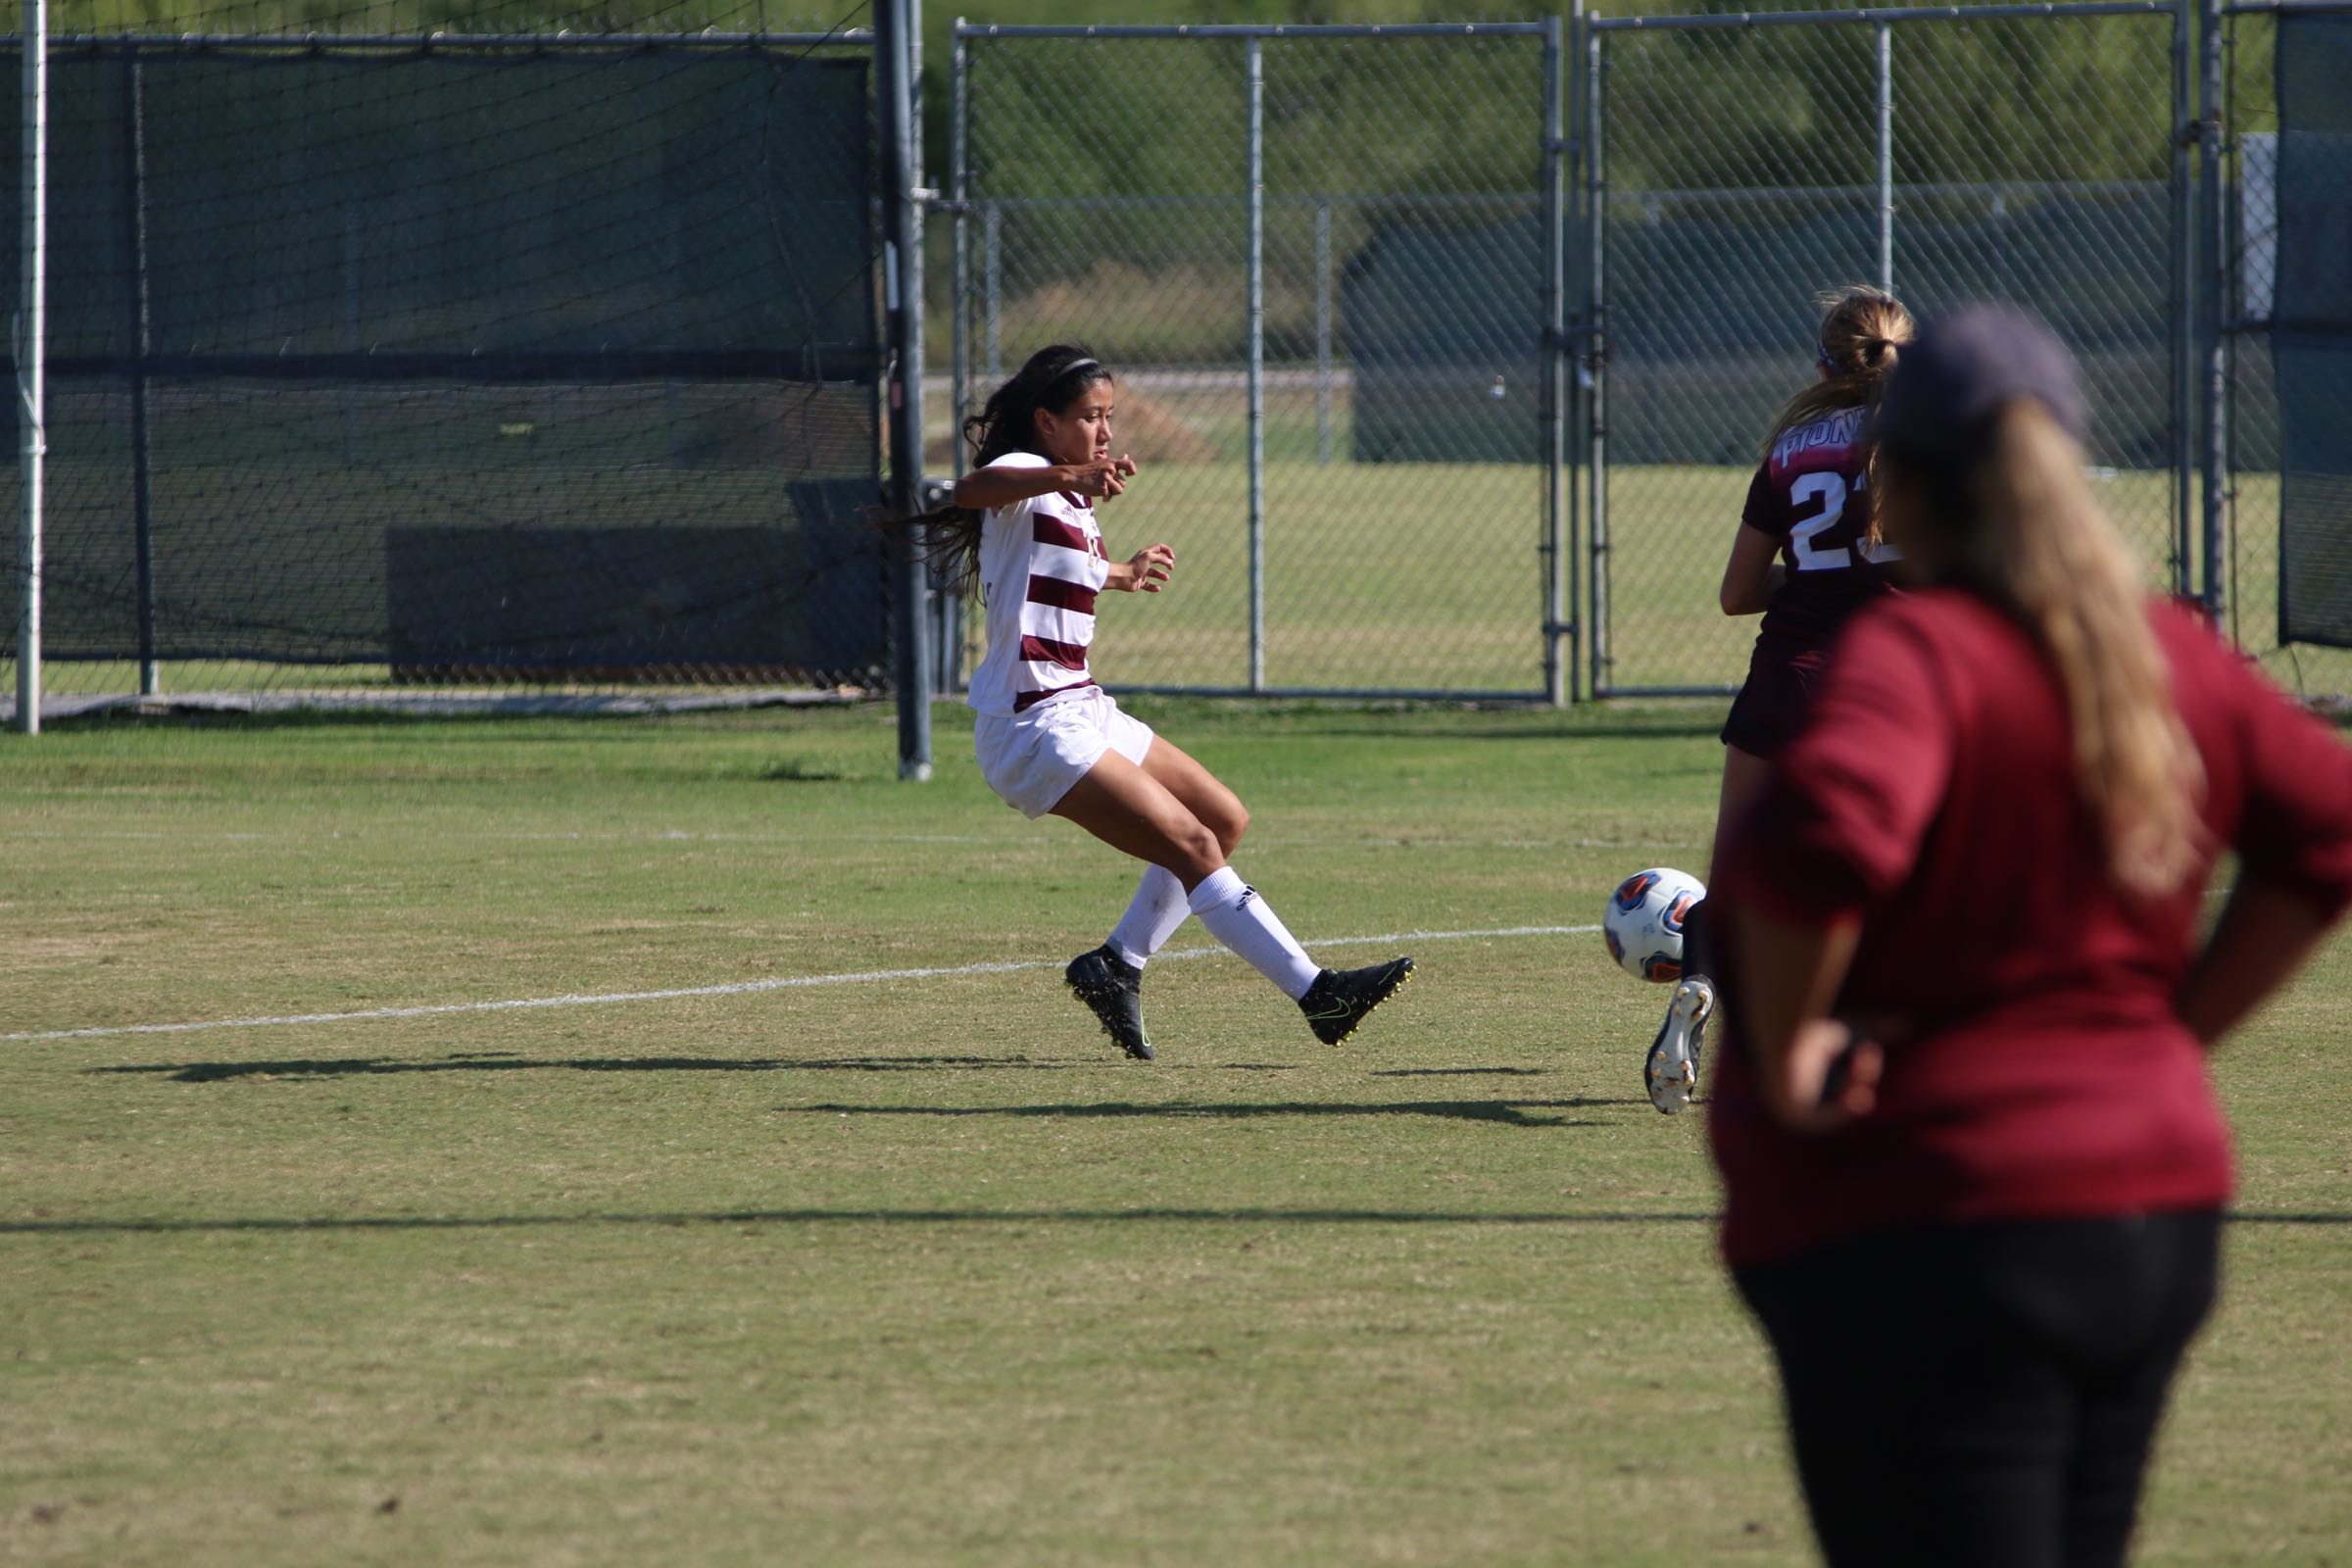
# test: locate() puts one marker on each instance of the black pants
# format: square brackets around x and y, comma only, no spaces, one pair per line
[1984,1394]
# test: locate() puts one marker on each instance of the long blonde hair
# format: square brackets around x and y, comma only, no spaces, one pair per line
[2022,528]
[1862,333]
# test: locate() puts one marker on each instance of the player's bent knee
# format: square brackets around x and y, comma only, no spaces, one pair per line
[1194,853]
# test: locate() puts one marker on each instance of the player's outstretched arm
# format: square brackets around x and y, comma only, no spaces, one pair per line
[997,485]
[1144,572]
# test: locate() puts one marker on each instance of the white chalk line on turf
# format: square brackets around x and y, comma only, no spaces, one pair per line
[742,988]
[1014,840]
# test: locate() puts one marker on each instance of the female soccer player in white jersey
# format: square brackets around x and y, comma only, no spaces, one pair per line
[1808,554]
[1051,741]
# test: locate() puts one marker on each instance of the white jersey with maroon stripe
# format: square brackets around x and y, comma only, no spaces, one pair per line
[1041,564]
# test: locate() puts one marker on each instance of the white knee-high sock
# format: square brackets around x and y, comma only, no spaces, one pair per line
[1236,916]
[1159,908]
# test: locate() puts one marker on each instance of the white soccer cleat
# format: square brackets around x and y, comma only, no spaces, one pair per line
[1671,1072]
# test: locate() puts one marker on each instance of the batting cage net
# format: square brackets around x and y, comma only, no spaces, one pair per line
[401,363]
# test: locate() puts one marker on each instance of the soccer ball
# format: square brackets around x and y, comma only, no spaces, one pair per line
[1643,922]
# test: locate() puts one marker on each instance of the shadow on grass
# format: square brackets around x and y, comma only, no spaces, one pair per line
[1509,1113]
[212,1072]
[925,1216]
[1463,1072]
[414,708]
[854,1216]
[1696,727]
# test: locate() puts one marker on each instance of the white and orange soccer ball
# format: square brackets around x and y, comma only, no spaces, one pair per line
[1643,922]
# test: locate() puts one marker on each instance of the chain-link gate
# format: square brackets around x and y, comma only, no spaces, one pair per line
[1329,280]
[1737,165]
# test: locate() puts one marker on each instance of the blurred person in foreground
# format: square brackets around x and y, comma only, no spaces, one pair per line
[1974,1167]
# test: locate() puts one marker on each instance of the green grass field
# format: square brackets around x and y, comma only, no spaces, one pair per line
[776,1263]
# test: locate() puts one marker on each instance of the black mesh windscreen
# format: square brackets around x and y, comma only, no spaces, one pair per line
[2311,329]
[489,360]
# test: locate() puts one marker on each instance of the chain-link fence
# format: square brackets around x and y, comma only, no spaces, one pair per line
[1445,351]
[1739,165]
[1327,276]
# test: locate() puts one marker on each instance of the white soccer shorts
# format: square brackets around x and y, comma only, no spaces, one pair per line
[1032,759]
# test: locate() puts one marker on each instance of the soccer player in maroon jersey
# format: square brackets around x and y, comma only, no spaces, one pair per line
[1808,554]
[1052,741]
[1972,1166]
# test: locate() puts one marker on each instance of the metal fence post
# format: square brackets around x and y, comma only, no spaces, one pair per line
[1323,329]
[992,288]
[1571,346]
[902,223]
[141,324]
[2212,457]
[1557,679]
[1253,53]
[31,344]
[1886,157]
[2185,296]
[960,353]
[1596,357]
[959,193]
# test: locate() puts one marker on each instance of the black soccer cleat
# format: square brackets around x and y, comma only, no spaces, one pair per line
[1113,989]
[1340,998]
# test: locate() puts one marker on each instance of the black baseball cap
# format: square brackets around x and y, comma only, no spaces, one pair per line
[1950,380]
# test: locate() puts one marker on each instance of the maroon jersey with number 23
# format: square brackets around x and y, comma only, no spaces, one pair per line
[1812,493]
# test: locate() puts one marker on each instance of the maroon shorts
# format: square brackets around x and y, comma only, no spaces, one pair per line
[1784,677]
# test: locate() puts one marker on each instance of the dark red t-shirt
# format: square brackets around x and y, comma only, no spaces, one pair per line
[2037,1068]
[1812,494]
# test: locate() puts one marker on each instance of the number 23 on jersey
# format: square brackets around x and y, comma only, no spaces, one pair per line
[1831,491]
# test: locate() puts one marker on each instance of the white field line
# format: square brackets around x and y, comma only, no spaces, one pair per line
[1011,840]
[742,988]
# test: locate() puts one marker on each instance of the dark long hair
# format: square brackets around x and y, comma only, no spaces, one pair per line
[1054,378]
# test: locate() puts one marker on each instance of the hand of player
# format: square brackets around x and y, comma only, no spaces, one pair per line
[1104,476]
[1827,1079]
[1148,569]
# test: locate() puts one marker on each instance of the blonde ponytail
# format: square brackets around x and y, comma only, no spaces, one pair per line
[1860,338]
[2039,543]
